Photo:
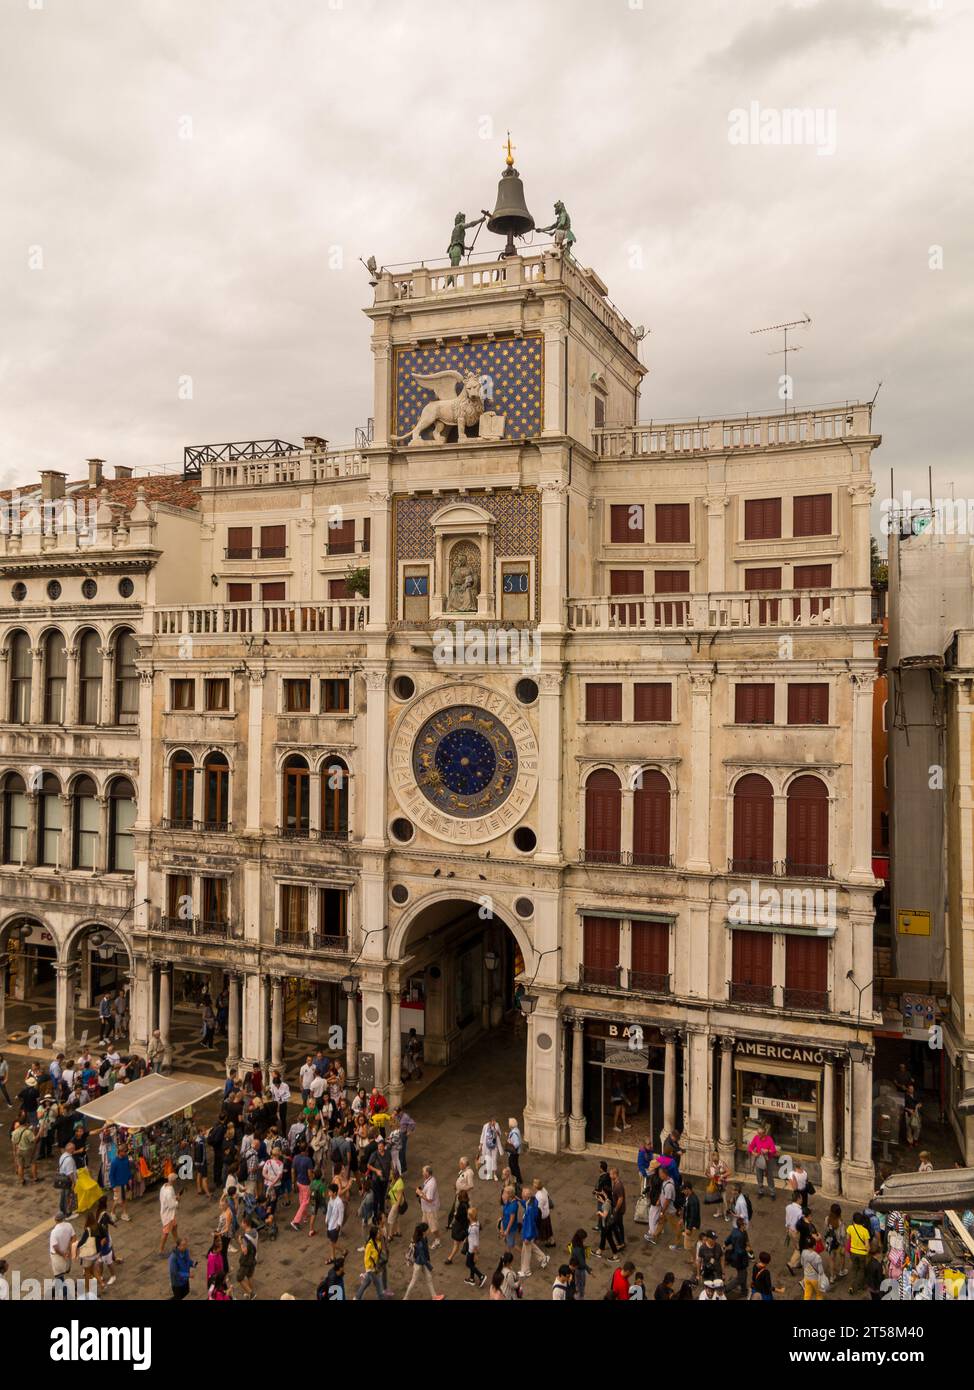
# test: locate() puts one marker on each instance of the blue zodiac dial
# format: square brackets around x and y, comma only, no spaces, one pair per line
[465,761]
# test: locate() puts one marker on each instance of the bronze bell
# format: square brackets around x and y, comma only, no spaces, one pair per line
[510,217]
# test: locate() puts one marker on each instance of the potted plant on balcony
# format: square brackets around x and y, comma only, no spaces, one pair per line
[357,582]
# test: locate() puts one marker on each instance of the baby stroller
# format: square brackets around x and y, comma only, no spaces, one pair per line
[261,1216]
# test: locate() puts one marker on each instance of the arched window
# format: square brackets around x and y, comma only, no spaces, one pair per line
[334,800]
[49,822]
[85,820]
[20,676]
[603,818]
[126,679]
[297,798]
[121,818]
[216,792]
[651,821]
[14,819]
[807,854]
[89,678]
[181,771]
[55,677]
[753,826]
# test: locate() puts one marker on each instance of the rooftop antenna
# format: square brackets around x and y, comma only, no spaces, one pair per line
[784,328]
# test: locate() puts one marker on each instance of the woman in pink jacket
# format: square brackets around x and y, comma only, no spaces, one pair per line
[764,1151]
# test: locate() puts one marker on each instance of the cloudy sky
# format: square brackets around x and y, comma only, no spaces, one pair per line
[189,183]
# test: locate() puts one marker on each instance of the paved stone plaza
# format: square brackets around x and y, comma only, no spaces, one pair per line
[487,1083]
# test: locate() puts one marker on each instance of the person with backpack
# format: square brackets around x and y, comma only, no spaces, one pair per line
[491,1143]
[578,1263]
[418,1255]
[739,1253]
[709,1258]
[332,1287]
[376,1260]
[743,1211]
[654,1191]
[691,1217]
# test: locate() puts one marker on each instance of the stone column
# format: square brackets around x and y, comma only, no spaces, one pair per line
[669,1081]
[255,716]
[104,827]
[107,715]
[550,758]
[380,563]
[576,1121]
[830,1169]
[726,1140]
[64,1009]
[4,963]
[67,832]
[543,1112]
[37,686]
[71,690]
[376,777]
[31,847]
[861,866]
[395,1090]
[554,560]
[263,1011]
[381,374]
[716,565]
[698,839]
[165,1012]
[277,1024]
[351,1042]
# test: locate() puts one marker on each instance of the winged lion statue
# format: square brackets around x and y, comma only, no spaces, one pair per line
[461,410]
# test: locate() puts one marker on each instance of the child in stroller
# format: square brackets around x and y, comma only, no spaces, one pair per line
[261,1215]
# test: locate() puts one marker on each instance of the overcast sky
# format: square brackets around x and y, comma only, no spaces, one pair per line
[178,174]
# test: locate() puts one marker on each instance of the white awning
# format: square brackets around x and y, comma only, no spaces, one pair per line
[150,1100]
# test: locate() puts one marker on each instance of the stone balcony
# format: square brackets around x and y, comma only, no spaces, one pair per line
[338,616]
[797,608]
[735,434]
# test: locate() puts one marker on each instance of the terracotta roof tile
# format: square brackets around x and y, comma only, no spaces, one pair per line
[121,492]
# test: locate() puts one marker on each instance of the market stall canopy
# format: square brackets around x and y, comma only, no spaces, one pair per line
[936,1191]
[149,1100]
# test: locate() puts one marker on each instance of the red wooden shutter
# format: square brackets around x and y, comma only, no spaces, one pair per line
[239,542]
[337,590]
[653,703]
[806,972]
[751,967]
[239,593]
[808,704]
[672,523]
[603,703]
[650,955]
[808,828]
[603,818]
[671,582]
[651,821]
[754,704]
[366,535]
[600,947]
[341,539]
[762,518]
[812,577]
[273,542]
[271,593]
[753,825]
[813,515]
[626,582]
[766,577]
[628,524]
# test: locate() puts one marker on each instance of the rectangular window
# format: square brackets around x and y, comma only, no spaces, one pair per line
[273,593]
[806,972]
[628,524]
[294,913]
[671,582]
[415,594]
[515,593]
[334,697]
[767,577]
[16,827]
[273,542]
[341,539]
[600,951]
[179,898]
[240,542]
[650,968]
[214,902]
[297,697]
[51,821]
[333,914]
[754,704]
[603,703]
[217,695]
[812,516]
[239,593]
[762,518]
[808,704]
[182,694]
[812,577]
[86,831]
[652,703]
[751,968]
[366,535]
[672,523]
[599,412]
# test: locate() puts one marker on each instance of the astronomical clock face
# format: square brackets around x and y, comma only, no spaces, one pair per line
[464,763]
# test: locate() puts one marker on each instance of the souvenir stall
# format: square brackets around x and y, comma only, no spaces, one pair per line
[929,1233]
[154,1116]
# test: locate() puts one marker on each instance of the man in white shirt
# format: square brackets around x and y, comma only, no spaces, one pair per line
[168,1209]
[308,1074]
[464,1177]
[281,1093]
[429,1200]
[559,1289]
[317,1089]
[59,1245]
[740,1206]
[793,1214]
[67,1169]
[334,1219]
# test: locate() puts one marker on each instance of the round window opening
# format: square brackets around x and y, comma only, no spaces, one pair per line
[402,830]
[89,588]
[526,691]
[399,894]
[19,592]
[524,907]
[404,687]
[126,588]
[54,588]
[525,839]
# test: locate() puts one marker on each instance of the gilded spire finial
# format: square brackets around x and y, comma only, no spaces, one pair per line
[510,152]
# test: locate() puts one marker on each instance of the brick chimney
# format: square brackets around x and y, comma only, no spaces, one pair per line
[122,471]
[95,472]
[52,485]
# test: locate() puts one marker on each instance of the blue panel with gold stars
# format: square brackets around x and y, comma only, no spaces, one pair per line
[465,761]
[510,369]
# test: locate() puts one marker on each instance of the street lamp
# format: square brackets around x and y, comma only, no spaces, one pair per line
[350,985]
[491,960]
[857,1049]
[528,1003]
